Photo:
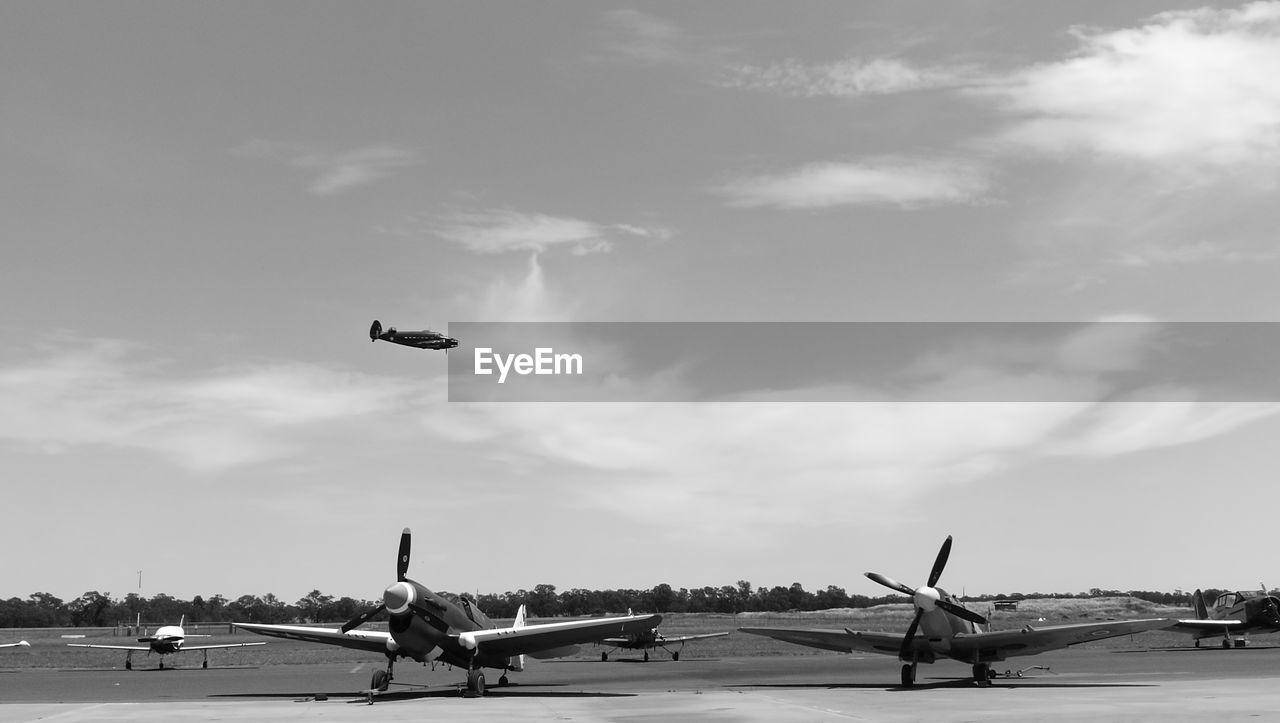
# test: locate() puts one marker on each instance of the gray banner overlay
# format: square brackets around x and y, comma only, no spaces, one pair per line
[865,361]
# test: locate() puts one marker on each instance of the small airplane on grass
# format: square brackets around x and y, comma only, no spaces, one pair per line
[19,644]
[1233,614]
[652,640]
[950,630]
[425,339]
[168,639]
[424,623]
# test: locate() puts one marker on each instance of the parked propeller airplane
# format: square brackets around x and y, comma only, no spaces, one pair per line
[950,630]
[424,622]
[1233,613]
[425,339]
[168,639]
[19,644]
[651,640]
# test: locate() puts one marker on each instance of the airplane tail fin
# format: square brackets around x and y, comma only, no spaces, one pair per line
[517,663]
[182,620]
[375,330]
[1197,601]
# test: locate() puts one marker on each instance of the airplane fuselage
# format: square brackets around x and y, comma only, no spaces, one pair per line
[1256,611]
[424,339]
[423,622]
[168,639]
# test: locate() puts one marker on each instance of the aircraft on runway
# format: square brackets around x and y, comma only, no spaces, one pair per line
[168,639]
[950,630]
[425,623]
[19,644]
[651,640]
[425,339]
[1233,613]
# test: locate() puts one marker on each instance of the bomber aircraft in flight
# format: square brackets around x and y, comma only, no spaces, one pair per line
[1233,613]
[425,339]
[424,623]
[950,630]
[168,639]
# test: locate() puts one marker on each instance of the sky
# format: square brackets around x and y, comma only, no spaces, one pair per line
[205,205]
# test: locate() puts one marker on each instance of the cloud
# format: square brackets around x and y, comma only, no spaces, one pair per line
[848,78]
[113,394]
[1153,255]
[501,230]
[338,171]
[1194,87]
[899,181]
[642,37]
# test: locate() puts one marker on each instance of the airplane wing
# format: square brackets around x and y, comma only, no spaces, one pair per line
[846,641]
[19,644]
[224,645]
[686,638]
[1029,640]
[372,641]
[1199,627]
[534,638]
[109,647]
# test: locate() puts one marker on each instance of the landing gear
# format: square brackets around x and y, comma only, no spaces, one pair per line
[162,663]
[475,683]
[646,656]
[604,657]
[205,664]
[128,660]
[503,681]
[1197,642]
[675,655]
[982,674]
[908,675]
[382,678]
[1226,644]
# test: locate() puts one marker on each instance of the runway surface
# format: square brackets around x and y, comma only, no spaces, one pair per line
[1083,683]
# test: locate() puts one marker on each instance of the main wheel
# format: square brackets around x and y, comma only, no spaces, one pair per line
[503,681]
[381,681]
[604,657]
[128,665]
[475,683]
[675,655]
[908,676]
[646,656]
[1226,644]
[981,674]
[205,665]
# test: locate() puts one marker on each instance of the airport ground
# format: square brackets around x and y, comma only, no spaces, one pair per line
[1132,682]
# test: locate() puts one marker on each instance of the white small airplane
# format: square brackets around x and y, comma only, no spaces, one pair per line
[19,644]
[168,639]
[950,630]
[651,640]
[426,625]
[1233,616]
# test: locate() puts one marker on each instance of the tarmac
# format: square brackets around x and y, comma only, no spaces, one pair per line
[1079,684]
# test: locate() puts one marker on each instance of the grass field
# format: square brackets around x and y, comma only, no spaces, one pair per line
[49,649]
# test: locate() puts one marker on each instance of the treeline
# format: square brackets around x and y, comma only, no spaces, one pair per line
[95,609]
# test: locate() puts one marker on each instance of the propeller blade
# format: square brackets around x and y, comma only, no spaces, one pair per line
[904,653]
[362,618]
[961,612]
[402,563]
[939,563]
[890,583]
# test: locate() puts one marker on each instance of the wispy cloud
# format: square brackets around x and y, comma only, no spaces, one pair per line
[848,78]
[338,171]
[1153,255]
[1190,87]
[109,393]
[642,37]
[500,230]
[898,181]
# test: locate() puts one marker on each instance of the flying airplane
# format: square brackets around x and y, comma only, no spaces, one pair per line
[1233,613]
[651,640]
[950,630]
[424,623]
[168,639]
[425,339]
[19,644]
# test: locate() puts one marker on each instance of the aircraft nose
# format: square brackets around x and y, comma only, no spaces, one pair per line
[926,598]
[398,597]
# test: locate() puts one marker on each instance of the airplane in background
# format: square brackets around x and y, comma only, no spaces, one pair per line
[19,644]
[950,630]
[169,639]
[651,640]
[1233,613]
[424,623]
[425,339]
